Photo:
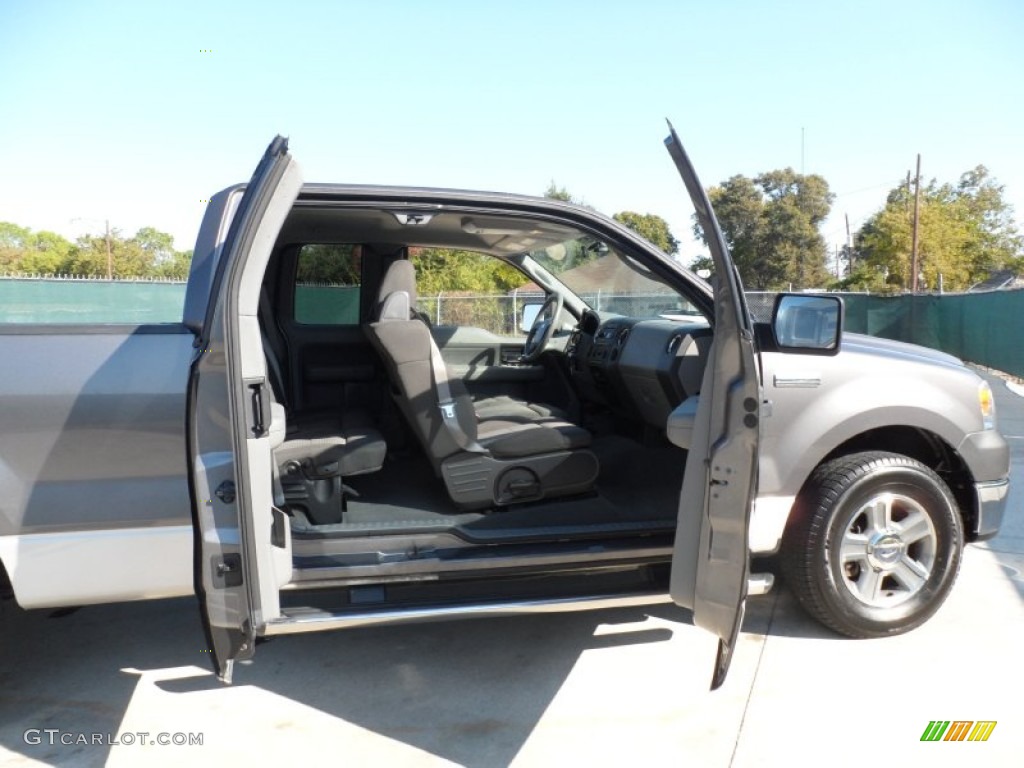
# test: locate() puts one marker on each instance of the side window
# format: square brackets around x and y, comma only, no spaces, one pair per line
[327,281]
[459,288]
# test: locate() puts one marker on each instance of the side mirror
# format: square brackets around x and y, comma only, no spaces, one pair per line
[812,324]
[529,316]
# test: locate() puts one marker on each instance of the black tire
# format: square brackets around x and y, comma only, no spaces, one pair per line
[906,521]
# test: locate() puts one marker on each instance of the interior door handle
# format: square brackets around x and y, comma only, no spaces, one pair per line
[259,407]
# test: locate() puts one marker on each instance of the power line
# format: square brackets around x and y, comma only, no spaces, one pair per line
[867,189]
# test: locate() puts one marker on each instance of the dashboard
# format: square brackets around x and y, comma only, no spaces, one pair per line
[638,368]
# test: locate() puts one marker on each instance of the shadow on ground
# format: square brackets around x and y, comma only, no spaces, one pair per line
[470,692]
[460,681]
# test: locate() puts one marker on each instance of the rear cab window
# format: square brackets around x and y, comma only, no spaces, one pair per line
[327,285]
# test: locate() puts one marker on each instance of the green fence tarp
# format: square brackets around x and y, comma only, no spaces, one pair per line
[327,304]
[984,328]
[137,303]
[90,301]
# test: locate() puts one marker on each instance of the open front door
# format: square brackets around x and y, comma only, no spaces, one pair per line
[242,550]
[710,564]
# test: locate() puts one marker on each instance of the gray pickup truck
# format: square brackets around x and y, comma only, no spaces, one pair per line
[309,449]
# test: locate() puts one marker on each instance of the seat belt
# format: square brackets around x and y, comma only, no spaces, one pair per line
[266,317]
[446,403]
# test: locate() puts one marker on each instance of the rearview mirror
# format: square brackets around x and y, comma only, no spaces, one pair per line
[810,324]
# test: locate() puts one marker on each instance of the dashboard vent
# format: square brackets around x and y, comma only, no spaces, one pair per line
[620,342]
[574,340]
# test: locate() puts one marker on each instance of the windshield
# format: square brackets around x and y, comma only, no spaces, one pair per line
[610,282]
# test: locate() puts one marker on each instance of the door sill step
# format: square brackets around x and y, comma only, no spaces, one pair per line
[299,619]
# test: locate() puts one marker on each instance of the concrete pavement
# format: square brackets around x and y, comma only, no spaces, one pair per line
[600,689]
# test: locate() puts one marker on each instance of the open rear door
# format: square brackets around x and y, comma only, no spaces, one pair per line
[242,551]
[710,564]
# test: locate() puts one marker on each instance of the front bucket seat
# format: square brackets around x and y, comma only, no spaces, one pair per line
[483,462]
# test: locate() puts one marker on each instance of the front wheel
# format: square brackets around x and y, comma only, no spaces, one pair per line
[874,546]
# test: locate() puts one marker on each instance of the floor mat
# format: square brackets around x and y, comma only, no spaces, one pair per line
[638,487]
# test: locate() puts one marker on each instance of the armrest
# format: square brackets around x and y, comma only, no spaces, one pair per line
[679,429]
[278,425]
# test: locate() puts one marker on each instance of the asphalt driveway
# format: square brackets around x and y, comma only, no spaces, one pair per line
[623,687]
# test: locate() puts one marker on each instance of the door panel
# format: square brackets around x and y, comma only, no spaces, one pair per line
[486,362]
[240,558]
[711,560]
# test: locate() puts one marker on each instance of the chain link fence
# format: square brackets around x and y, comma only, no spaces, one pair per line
[504,313]
[760,305]
[497,313]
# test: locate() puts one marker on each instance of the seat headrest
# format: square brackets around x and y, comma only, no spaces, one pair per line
[395,307]
[401,276]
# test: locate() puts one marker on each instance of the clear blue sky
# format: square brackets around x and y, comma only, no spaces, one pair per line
[111,110]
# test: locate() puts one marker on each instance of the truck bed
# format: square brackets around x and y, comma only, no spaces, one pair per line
[92,443]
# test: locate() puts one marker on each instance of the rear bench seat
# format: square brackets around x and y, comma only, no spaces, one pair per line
[315,450]
[318,452]
[325,444]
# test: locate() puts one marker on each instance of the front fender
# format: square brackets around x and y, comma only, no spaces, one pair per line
[819,404]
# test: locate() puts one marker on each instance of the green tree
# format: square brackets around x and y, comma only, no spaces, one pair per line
[22,250]
[555,192]
[47,253]
[13,236]
[771,225]
[150,253]
[447,269]
[740,208]
[652,228]
[175,268]
[965,231]
[702,262]
[127,257]
[158,245]
[12,245]
[328,263]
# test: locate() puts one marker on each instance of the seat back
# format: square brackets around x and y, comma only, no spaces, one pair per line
[406,348]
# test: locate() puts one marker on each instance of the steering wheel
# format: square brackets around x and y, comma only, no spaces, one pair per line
[543,328]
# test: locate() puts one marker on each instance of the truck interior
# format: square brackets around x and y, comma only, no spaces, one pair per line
[420,420]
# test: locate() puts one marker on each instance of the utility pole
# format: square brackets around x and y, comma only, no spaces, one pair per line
[849,243]
[110,258]
[913,237]
[801,150]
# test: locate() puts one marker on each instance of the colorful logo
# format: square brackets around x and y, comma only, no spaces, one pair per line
[958,730]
